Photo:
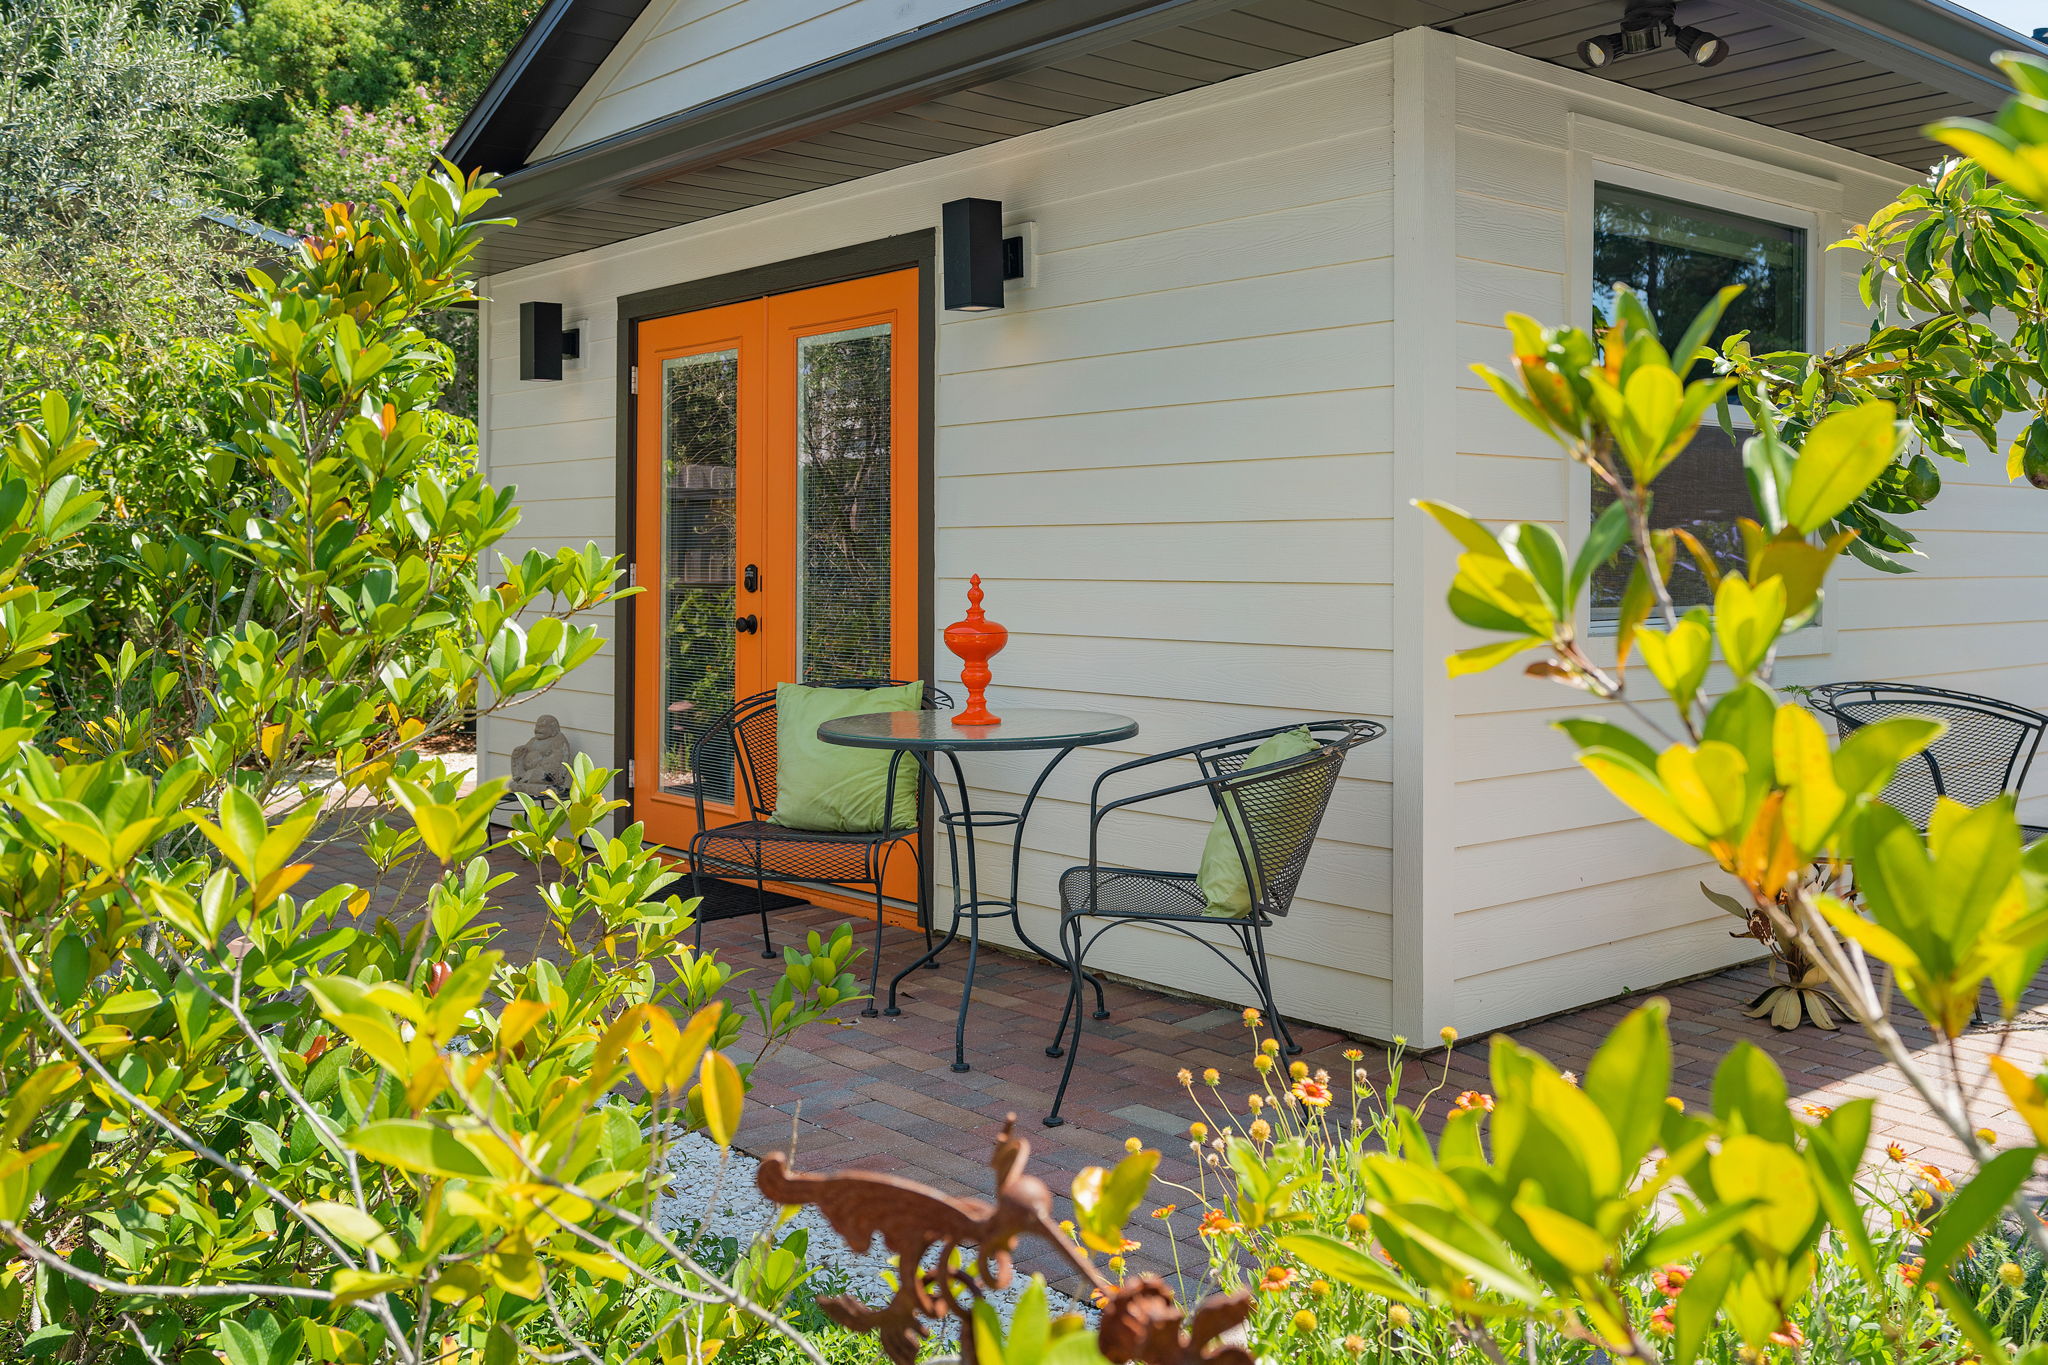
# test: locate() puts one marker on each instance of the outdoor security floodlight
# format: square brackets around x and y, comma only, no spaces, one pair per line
[1703,47]
[1645,24]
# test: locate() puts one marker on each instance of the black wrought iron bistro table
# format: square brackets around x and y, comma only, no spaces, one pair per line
[925,735]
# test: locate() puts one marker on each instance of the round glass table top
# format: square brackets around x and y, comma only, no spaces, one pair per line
[1020,728]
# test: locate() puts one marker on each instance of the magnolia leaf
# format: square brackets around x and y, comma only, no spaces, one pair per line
[1579,1249]
[1869,755]
[352,1225]
[1708,784]
[1507,588]
[724,1093]
[416,1145]
[1609,532]
[2029,1097]
[1749,1089]
[1630,1079]
[1588,733]
[1679,658]
[1879,942]
[352,1286]
[518,1019]
[1699,1304]
[1748,621]
[1775,1178]
[1469,533]
[1480,658]
[1814,801]
[1834,1181]
[1841,458]
[1642,791]
[1104,1200]
[1651,398]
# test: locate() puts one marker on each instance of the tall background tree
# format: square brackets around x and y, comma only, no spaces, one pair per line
[115,138]
[349,92]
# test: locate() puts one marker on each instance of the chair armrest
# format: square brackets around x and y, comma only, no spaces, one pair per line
[1098,810]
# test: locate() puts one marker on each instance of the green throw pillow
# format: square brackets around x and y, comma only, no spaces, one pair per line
[829,786]
[1222,875]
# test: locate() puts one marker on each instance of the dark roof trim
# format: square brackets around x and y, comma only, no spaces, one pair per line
[1933,41]
[550,64]
[980,44]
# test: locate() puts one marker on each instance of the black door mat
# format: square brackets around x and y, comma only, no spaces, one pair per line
[730,900]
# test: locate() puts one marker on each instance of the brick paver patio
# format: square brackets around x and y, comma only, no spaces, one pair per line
[879,1093]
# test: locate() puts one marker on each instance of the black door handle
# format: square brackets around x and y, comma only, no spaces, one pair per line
[746,625]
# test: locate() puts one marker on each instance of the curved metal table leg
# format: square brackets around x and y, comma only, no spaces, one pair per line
[961,826]
[932,950]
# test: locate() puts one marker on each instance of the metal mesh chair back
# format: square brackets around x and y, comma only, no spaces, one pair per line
[1985,751]
[743,741]
[1276,808]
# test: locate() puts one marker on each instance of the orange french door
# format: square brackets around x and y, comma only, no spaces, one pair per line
[776,522]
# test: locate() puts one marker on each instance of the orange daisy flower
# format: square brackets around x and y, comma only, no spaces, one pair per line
[1314,1094]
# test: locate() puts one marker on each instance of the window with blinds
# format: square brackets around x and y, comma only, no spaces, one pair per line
[1676,256]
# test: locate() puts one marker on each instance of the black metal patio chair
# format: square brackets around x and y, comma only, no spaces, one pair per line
[1986,750]
[1277,809]
[742,741]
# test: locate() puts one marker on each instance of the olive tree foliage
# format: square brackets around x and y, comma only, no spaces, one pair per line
[247,1121]
[114,140]
[1542,1208]
[113,145]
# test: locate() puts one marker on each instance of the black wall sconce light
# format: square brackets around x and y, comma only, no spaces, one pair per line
[543,343]
[978,258]
[1645,24]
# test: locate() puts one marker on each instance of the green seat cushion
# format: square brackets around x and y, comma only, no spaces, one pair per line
[830,786]
[1222,876]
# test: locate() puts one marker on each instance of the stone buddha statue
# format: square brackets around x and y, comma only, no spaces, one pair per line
[542,763]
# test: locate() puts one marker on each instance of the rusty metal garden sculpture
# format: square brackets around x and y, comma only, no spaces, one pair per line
[1141,1320]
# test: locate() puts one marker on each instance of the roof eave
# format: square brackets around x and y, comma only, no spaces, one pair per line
[1932,41]
[963,50]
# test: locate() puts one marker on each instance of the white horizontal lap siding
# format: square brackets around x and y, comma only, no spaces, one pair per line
[553,445]
[1196,399]
[1168,459]
[1562,896]
[682,53]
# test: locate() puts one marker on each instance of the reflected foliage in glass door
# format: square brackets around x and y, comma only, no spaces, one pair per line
[700,416]
[843,504]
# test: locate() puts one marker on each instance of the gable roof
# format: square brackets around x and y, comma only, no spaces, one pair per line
[562,48]
[1865,75]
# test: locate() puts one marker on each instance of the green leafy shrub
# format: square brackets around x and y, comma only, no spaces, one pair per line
[247,1123]
[1295,1203]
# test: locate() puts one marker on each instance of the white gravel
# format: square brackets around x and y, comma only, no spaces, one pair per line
[713,1194]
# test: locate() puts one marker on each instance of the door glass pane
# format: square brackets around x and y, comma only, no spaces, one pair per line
[700,444]
[1676,256]
[843,505]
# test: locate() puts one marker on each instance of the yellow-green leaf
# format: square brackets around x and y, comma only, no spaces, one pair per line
[724,1093]
[1841,458]
[1639,789]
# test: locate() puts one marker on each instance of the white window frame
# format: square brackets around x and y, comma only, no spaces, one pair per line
[1620,165]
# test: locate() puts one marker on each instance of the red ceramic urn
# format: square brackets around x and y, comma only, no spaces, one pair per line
[975,638]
